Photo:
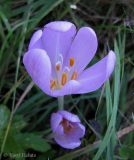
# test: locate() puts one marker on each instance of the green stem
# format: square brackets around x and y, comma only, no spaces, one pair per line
[61,102]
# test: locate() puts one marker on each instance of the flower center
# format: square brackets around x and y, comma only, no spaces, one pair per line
[67,126]
[63,75]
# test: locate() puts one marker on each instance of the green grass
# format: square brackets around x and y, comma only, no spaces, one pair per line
[103,112]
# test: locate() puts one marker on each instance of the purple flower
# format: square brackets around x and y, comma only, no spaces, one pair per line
[58,55]
[67,129]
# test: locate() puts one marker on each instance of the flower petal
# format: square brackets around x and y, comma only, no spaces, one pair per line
[71,87]
[36,40]
[57,38]
[69,116]
[56,118]
[78,131]
[83,48]
[59,131]
[66,141]
[38,65]
[93,78]
[61,26]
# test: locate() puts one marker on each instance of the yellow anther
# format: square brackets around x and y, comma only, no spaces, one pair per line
[71,62]
[57,66]
[64,78]
[53,84]
[74,75]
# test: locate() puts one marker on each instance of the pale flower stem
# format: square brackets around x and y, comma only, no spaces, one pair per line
[61,102]
[29,87]
[11,116]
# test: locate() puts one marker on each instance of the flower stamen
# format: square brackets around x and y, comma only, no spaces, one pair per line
[71,62]
[74,75]
[53,84]
[58,67]
[64,78]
